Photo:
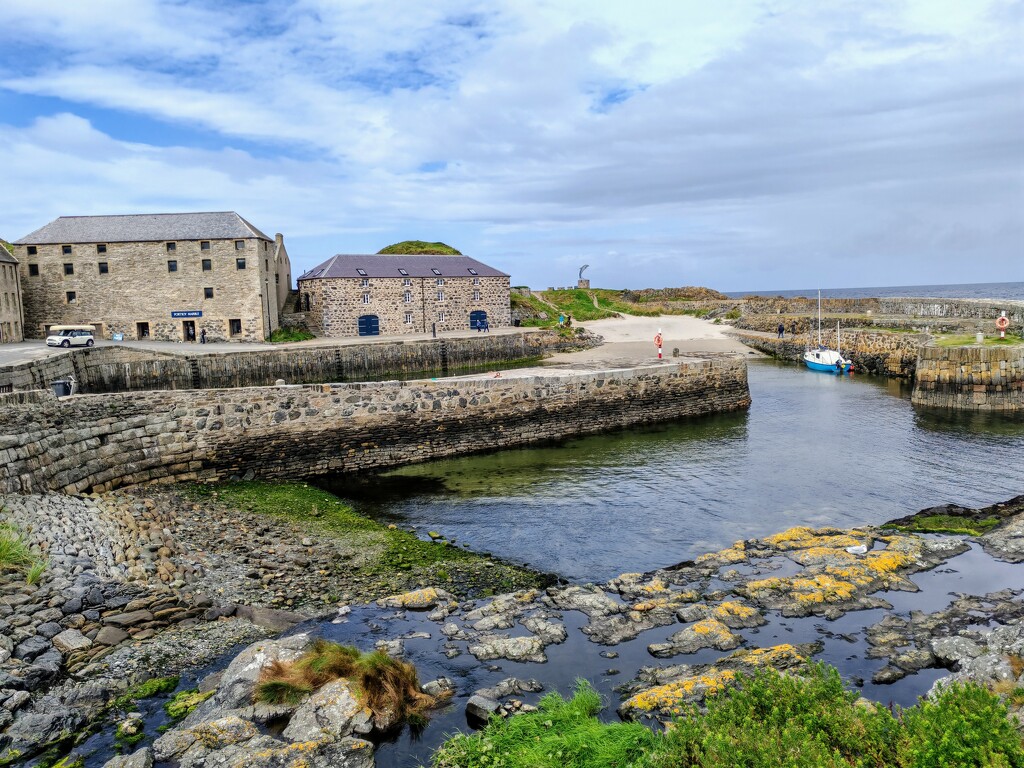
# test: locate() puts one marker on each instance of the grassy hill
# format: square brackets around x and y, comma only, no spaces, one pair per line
[420,246]
[600,303]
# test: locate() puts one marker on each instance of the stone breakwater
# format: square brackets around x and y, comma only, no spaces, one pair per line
[885,354]
[99,442]
[127,369]
[970,378]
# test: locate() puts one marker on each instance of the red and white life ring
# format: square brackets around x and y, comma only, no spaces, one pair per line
[1003,323]
[657,339]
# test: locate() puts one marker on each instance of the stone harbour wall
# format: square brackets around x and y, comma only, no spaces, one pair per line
[99,442]
[970,378]
[910,307]
[885,354]
[123,369]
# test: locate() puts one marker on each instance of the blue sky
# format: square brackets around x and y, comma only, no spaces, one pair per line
[735,144]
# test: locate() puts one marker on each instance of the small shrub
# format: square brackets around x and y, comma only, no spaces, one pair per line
[281,335]
[733,314]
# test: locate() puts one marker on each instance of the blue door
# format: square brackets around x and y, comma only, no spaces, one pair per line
[369,325]
[477,318]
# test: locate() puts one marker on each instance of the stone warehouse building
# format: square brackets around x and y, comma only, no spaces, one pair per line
[392,294]
[166,276]
[11,328]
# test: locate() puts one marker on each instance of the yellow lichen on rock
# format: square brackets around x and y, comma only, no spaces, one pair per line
[822,588]
[670,696]
[771,584]
[774,656]
[802,537]
[730,609]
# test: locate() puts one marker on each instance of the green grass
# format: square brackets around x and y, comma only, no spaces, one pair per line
[577,303]
[767,720]
[184,703]
[963,340]
[949,524]
[281,335]
[15,553]
[420,246]
[35,572]
[561,734]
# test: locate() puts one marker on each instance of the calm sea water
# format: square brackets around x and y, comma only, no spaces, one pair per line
[813,450]
[960,291]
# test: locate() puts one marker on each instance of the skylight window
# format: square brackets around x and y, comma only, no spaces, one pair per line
[362,272]
[472,271]
[436,271]
[403,271]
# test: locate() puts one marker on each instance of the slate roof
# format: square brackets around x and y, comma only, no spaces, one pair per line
[143,228]
[5,256]
[389,265]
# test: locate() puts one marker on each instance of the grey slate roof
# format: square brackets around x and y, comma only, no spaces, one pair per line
[388,265]
[143,228]
[5,256]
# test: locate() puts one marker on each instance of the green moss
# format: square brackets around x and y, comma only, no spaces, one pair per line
[420,246]
[146,690]
[949,524]
[185,702]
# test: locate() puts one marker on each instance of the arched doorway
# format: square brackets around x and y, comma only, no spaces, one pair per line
[369,325]
[477,318]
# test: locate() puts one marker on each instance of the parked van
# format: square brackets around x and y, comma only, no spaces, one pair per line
[71,336]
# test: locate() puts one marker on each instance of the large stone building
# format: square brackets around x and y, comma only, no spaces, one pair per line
[367,295]
[11,328]
[167,276]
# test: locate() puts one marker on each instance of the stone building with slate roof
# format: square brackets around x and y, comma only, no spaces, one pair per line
[11,317]
[166,276]
[391,294]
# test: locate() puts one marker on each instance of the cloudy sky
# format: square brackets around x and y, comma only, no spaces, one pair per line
[740,144]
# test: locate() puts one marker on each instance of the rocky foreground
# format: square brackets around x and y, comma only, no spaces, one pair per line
[63,661]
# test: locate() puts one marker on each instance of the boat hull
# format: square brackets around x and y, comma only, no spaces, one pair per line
[827,368]
[826,361]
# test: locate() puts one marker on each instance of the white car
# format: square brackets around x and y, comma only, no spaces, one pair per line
[70,336]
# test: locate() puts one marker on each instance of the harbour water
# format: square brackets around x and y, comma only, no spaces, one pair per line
[813,449]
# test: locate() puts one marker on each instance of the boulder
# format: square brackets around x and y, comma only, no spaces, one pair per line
[481,707]
[71,640]
[511,648]
[142,758]
[417,600]
[111,636]
[331,712]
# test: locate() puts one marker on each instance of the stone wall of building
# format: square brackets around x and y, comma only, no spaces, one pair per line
[99,442]
[11,325]
[970,378]
[885,354]
[403,305]
[124,369]
[138,287]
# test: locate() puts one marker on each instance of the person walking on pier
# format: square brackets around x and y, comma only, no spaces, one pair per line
[782,330]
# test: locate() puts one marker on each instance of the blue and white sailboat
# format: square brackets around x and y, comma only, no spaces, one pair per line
[824,359]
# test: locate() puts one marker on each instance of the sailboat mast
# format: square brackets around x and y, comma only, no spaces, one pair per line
[819,317]
[839,343]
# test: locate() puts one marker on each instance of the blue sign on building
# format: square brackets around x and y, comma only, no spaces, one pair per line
[187,313]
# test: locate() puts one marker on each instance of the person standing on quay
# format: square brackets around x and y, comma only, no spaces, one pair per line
[782,330]
[202,336]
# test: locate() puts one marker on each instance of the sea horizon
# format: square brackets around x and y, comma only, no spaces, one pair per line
[1012,291]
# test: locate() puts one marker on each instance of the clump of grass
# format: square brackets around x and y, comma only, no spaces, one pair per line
[560,733]
[281,335]
[15,553]
[949,524]
[35,572]
[388,687]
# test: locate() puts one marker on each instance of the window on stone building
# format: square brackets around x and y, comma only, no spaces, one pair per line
[277,279]
[69,269]
[239,246]
[408,318]
[266,265]
[404,272]
[361,272]
[32,250]
[235,327]
[101,248]
[171,247]
[407,297]
[66,250]
[476,295]
[440,281]
[72,297]
[441,317]
[407,281]
[207,293]
[103,268]
[33,270]
[366,298]
[440,295]
[240,263]
[476,281]
[204,245]
[207,265]
[365,282]
[471,271]
[172,266]
[435,271]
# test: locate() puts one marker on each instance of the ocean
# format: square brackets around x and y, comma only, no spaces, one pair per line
[953,291]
